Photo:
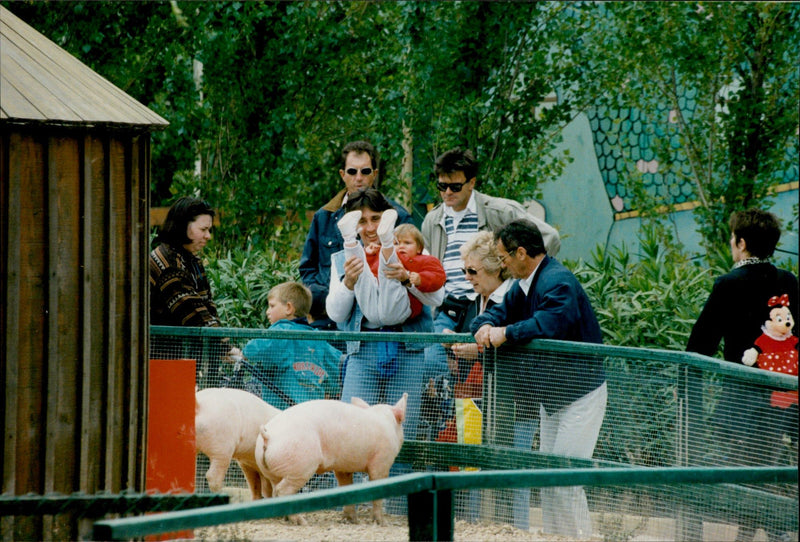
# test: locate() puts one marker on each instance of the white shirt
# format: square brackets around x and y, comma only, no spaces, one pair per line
[525,283]
[458,215]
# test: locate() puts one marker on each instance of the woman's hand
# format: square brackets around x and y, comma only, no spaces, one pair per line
[468,351]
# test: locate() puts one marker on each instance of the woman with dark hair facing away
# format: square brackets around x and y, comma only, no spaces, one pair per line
[180,294]
[750,427]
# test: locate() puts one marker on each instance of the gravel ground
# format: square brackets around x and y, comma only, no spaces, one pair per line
[330,527]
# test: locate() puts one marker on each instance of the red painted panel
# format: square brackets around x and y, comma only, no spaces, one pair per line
[170,431]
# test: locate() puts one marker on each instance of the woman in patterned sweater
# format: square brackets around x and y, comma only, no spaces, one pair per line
[180,294]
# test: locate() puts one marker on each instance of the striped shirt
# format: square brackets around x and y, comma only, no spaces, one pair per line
[459,228]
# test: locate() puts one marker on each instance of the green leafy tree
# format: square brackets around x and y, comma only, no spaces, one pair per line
[261,95]
[141,47]
[737,63]
[285,85]
[477,73]
[241,281]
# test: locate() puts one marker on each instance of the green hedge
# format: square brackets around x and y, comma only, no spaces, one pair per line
[651,300]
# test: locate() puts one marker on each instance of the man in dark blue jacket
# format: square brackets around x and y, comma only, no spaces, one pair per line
[359,171]
[548,302]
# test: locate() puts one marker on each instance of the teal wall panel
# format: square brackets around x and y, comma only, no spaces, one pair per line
[576,203]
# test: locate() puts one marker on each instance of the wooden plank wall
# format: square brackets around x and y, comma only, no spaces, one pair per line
[73,317]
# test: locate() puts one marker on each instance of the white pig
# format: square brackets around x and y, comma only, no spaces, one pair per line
[323,435]
[227,423]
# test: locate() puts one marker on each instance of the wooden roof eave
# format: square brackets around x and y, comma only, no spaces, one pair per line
[40,82]
[81,125]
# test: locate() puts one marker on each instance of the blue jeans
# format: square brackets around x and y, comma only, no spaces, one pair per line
[523,438]
[435,355]
[361,380]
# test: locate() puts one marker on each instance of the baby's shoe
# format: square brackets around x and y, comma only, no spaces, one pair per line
[386,227]
[348,225]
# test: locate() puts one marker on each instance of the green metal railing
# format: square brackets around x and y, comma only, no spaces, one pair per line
[430,509]
[752,375]
[705,491]
[99,504]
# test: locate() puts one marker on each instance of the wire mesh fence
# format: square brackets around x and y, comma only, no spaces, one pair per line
[660,409]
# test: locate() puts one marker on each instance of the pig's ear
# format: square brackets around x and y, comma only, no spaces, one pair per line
[359,402]
[399,409]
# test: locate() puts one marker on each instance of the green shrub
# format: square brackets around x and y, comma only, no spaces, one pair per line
[649,302]
[241,280]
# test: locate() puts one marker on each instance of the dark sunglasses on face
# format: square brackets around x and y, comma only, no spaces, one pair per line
[364,171]
[454,187]
[471,271]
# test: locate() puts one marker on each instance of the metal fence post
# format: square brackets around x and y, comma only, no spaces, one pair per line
[500,413]
[688,524]
[430,515]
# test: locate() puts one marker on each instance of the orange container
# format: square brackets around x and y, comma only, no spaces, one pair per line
[170,431]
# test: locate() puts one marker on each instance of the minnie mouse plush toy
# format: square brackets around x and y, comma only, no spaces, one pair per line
[776,348]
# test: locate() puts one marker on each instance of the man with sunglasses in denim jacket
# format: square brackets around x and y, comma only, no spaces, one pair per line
[359,171]
[464,212]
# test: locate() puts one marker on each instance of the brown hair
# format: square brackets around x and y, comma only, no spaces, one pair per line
[360,147]
[521,233]
[368,198]
[180,214]
[410,230]
[295,293]
[456,160]
[760,230]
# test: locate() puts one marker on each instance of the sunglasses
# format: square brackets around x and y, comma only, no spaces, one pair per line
[364,171]
[471,271]
[454,187]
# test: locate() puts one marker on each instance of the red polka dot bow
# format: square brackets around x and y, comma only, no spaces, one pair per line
[782,300]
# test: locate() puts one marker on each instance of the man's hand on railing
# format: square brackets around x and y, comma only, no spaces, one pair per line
[489,335]
[468,351]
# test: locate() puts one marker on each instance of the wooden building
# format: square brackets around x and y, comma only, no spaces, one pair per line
[74,233]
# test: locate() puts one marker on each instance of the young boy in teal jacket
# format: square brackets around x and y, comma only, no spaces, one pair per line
[292,371]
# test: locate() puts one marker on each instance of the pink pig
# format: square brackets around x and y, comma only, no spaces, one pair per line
[227,423]
[323,435]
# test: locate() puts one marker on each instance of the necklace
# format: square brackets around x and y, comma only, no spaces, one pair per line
[750,261]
